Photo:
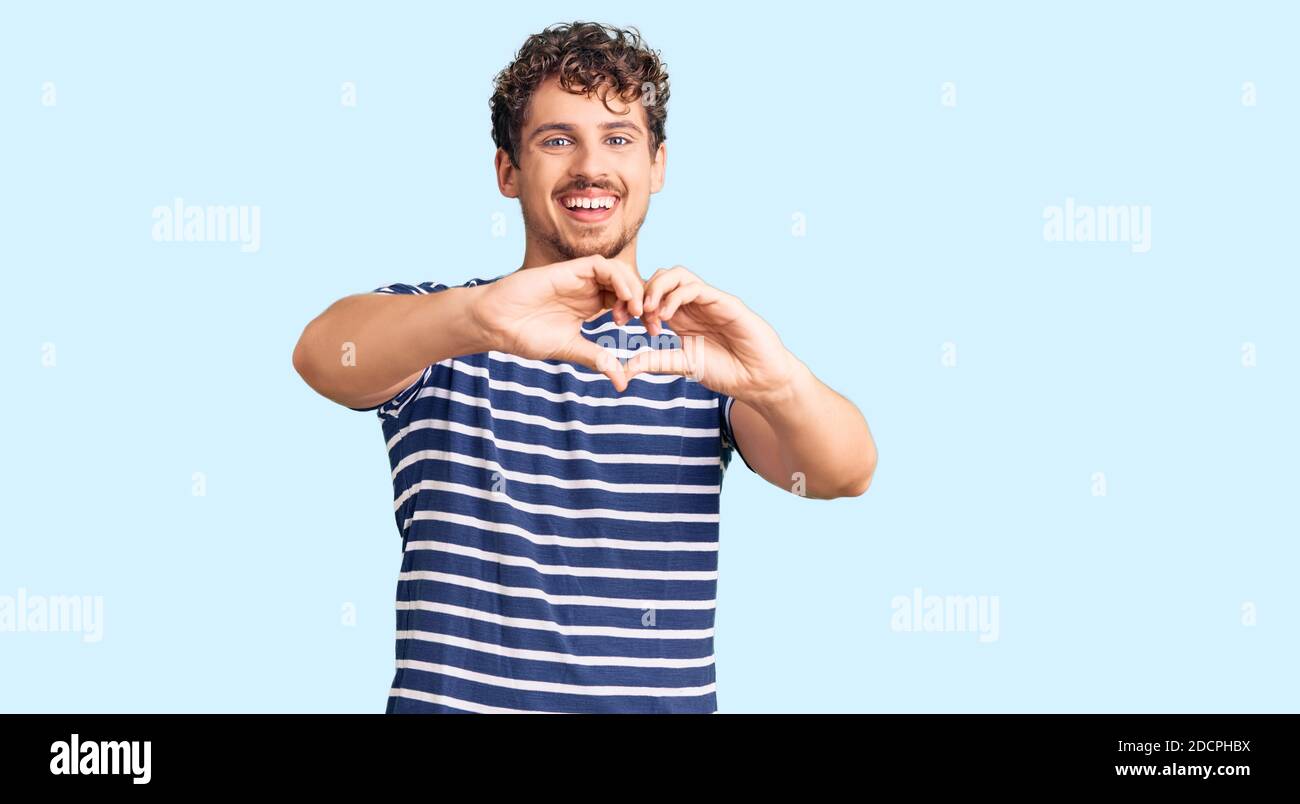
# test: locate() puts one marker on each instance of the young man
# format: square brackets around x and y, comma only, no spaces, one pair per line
[559,509]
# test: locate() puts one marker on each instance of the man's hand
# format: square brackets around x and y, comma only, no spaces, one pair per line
[724,345]
[793,430]
[538,313]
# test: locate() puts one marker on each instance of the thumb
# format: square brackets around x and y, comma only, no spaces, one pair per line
[662,361]
[597,357]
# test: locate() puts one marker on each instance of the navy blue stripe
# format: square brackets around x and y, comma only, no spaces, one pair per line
[433,438]
[546,640]
[551,702]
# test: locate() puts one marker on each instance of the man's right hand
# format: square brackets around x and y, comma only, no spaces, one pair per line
[535,313]
[538,313]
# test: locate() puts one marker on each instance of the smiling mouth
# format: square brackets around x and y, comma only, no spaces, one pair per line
[589,209]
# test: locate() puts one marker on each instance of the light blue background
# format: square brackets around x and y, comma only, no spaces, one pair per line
[924,226]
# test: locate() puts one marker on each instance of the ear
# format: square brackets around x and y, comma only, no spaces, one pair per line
[657,168]
[507,175]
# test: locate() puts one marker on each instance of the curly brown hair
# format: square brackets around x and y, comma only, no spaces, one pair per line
[588,58]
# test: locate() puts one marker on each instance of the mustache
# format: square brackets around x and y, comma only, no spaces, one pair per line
[590,186]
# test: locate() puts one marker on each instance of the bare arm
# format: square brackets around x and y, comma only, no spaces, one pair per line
[391,338]
[805,437]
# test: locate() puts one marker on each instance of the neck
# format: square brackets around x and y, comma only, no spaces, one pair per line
[538,253]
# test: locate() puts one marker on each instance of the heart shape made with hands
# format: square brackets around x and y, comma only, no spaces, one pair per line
[537,313]
[689,306]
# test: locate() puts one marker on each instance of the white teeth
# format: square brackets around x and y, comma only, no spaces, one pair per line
[605,202]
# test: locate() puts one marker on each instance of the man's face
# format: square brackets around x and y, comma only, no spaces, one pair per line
[585,172]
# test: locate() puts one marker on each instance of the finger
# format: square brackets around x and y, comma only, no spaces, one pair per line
[659,361]
[608,277]
[620,312]
[625,280]
[594,356]
[635,304]
[650,321]
[684,294]
[607,301]
[649,285]
[660,284]
[654,324]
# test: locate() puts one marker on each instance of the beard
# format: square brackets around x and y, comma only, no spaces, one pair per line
[605,243]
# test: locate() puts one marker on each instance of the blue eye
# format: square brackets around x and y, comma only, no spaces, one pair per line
[619,137]
[553,139]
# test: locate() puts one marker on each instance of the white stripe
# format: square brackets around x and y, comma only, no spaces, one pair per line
[551,480]
[465,368]
[552,656]
[550,452]
[508,560]
[551,686]
[571,424]
[554,600]
[552,510]
[563,541]
[456,703]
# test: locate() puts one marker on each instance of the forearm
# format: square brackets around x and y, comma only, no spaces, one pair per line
[818,434]
[365,343]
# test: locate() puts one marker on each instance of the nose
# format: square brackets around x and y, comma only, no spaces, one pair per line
[587,168]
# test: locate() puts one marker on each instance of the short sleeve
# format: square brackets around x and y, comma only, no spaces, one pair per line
[422,288]
[728,436]
[406,393]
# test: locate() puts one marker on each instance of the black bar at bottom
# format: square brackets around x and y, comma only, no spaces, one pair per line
[435,754]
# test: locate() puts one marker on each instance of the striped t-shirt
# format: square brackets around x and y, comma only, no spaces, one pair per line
[559,539]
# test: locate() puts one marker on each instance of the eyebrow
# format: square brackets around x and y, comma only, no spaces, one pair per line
[570,128]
